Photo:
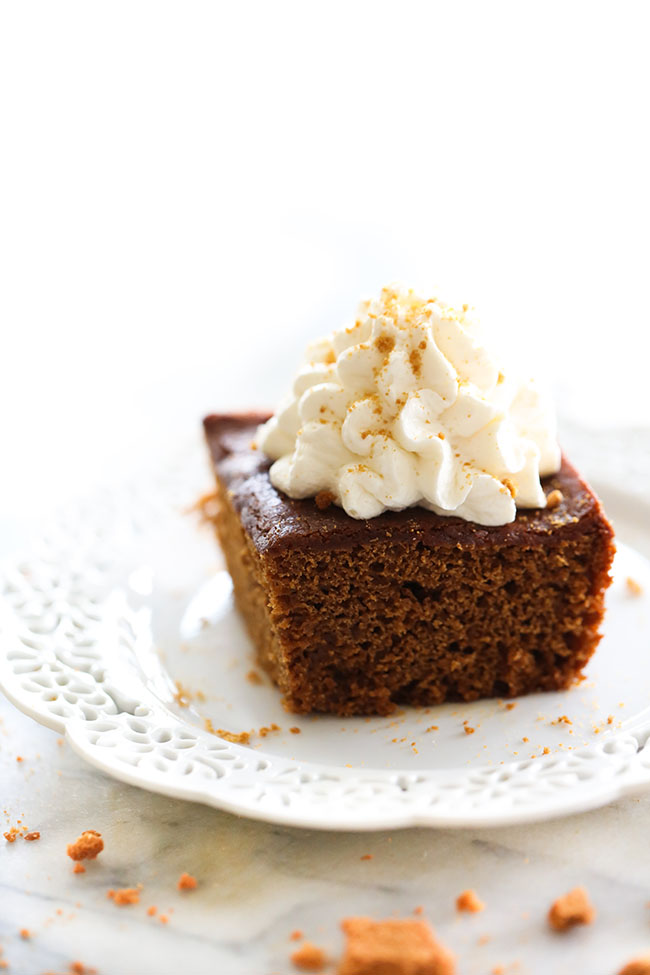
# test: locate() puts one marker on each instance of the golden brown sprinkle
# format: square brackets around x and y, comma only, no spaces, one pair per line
[385,344]
[87,846]
[415,359]
[126,896]
[24,933]
[468,730]
[294,731]
[554,499]
[633,587]
[324,499]
[637,966]
[470,902]
[253,677]
[366,856]
[309,957]
[295,936]
[19,758]
[152,910]
[400,947]
[571,909]
[163,919]
[78,968]
[30,837]
[186,882]
[78,868]
[563,719]
[510,705]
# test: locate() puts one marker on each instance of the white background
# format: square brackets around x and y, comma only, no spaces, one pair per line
[190,192]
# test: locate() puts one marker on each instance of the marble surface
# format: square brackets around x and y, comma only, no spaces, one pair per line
[257,883]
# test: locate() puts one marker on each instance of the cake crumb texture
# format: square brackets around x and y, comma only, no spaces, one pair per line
[87,846]
[393,947]
[359,617]
[571,909]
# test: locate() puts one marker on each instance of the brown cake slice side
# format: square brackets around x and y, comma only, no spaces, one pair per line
[353,617]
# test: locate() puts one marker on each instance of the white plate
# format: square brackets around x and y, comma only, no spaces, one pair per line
[127,595]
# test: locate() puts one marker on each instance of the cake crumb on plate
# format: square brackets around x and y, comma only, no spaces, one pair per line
[571,909]
[633,587]
[236,737]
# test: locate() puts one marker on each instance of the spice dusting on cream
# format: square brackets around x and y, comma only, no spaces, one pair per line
[407,407]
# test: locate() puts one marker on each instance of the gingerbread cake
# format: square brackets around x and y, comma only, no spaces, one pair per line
[356,615]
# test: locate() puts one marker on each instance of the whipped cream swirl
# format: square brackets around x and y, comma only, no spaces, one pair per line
[406,407]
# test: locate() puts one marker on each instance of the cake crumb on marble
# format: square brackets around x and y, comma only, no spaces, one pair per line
[470,902]
[637,966]
[570,910]
[309,957]
[87,846]
[186,882]
[125,896]
[393,947]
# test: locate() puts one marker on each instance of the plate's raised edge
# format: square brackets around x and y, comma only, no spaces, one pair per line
[622,773]
[370,816]
[368,819]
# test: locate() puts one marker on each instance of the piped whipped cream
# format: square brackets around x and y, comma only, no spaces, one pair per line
[407,407]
